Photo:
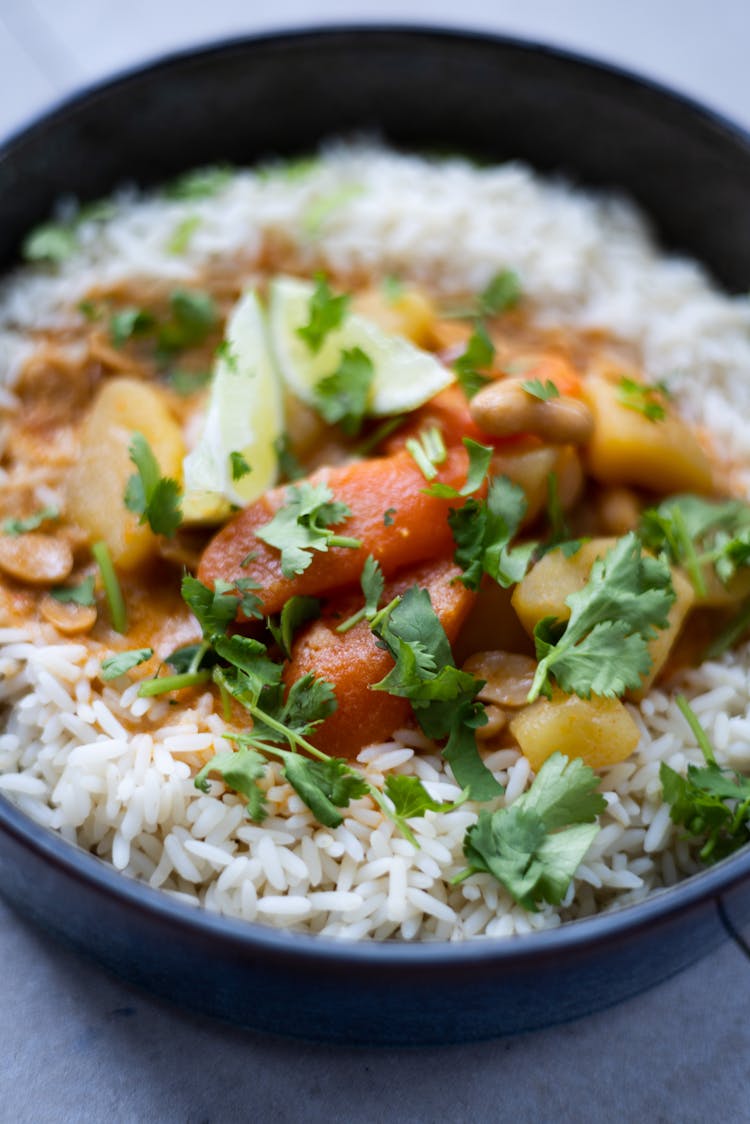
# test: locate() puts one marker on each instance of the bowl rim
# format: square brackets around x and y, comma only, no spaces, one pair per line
[82,866]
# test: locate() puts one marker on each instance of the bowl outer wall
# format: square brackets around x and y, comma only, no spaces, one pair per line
[439,91]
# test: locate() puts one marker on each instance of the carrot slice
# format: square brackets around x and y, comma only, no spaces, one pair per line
[352,661]
[416,529]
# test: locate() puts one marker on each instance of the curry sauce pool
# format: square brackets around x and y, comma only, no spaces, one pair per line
[143,298]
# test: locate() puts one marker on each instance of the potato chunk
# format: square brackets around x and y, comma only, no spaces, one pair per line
[407,313]
[599,731]
[544,590]
[97,482]
[628,448]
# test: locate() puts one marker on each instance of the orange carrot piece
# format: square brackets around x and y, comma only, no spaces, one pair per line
[419,529]
[352,661]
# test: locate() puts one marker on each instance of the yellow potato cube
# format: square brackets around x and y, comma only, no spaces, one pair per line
[599,731]
[96,483]
[628,448]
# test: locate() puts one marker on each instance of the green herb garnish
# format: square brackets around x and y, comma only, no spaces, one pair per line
[535,846]
[483,531]
[342,397]
[238,466]
[373,584]
[113,592]
[428,450]
[643,398]
[541,390]
[118,664]
[478,357]
[304,524]
[82,594]
[30,522]
[327,313]
[155,498]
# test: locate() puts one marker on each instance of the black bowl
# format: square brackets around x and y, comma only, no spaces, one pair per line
[491,98]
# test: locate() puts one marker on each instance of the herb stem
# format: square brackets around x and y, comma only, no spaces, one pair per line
[342,540]
[172,683]
[692,561]
[115,599]
[693,722]
[350,622]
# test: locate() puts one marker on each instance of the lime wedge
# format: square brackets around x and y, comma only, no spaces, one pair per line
[405,376]
[244,415]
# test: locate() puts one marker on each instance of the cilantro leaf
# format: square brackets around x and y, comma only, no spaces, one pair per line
[477,357]
[479,463]
[193,315]
[325,786]
[642,398]
[240,770]
[200,183]
[303,525]
[483,530]
[501,294]
[326,314]
[712,803]
[289,466]
[296,612]
[186,383]
[215,608]
[130,323]
[239,466]
[535,846]
[31,522]
[541,390]
[118,664]
[373,584]
[251,658]
[191,657]
[695,533]
[51,242]
[388,516]
[154,497]
[180,238]
[342,397]
[441,695]
[82,594]
[411,800]
[603,647]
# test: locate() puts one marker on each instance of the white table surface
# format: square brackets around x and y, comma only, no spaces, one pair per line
[76,1044]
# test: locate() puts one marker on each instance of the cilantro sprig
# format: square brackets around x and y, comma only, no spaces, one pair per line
[373,584]
[697,534]
[535,846]
[603,648]
[155,498]
[342,397]
[326,312]
[31,522]
[644,398]
[443,697]
[483,531]
[304,524]
[476,358]
[711,803]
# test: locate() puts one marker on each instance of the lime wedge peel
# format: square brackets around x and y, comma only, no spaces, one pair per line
[405,376]
[244,415]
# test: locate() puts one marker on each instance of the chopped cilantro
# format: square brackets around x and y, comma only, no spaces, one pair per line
[443,698]
[30,522]
[479,463]
[388,516]
[478,356]
[320,210]
[179,241]
[326,314]
[643,398]
[130,323]
[240,770]
[603,648]
[373,584]
[193,316]
[216,608]
[535,846]
[712,803]
[186,383]
[410,800]
[296,612]
[501,294]
[238,466]
[342,397]
[51,242]
[118,664]
[303,525]
[541,390]
[155,498]
[289,466]
[228,355]
[483,531]
[82,594]
[201,183]
[428,450]
[694,532]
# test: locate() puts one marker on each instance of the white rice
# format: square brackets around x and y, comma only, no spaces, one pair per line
[67,757]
